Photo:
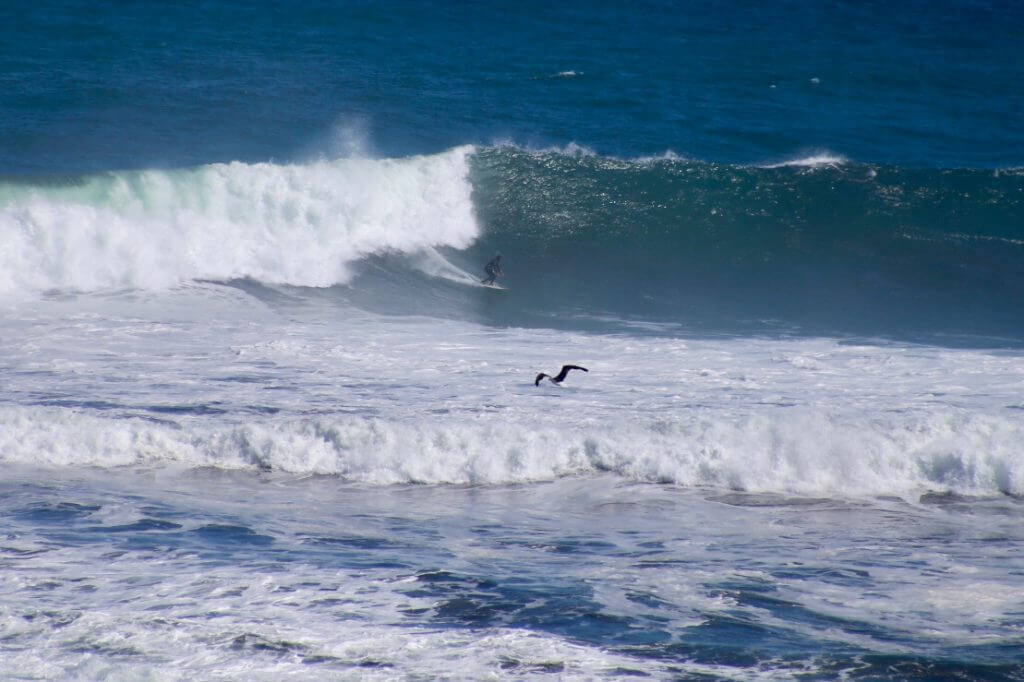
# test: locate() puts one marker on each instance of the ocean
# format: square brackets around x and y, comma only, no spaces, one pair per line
[259,420]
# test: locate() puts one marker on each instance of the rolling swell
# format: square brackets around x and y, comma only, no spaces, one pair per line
[829,247]
[820,246]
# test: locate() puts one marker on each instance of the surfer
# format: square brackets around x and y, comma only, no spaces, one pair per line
[560,377]
[493,269]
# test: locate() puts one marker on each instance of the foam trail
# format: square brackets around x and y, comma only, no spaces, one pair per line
[285,224]
[433,264]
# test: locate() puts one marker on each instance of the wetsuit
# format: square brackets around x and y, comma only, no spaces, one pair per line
[493,270]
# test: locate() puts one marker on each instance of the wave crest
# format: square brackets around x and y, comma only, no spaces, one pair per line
[804,453]
[295,224]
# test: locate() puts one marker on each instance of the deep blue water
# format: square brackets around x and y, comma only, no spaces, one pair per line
[137,85]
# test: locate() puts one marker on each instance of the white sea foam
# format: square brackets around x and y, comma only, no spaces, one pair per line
[806,452]
[207,376]
[572,149]
[576,150]
[298,224]
[345,590]
[812,160]
[165,618]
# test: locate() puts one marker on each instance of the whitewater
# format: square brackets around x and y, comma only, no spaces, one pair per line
[305,266]
[296,224]
[261,421]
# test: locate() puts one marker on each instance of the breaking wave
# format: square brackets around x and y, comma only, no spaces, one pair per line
[808,453]
[298,224]
[818,245]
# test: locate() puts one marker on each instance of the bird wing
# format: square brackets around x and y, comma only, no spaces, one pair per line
[565,370]
[536,382]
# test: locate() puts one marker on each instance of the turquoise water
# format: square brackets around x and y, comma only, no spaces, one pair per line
[259,420]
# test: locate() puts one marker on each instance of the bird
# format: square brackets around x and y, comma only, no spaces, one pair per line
[560,377]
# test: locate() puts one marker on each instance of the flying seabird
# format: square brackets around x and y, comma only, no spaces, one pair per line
[560,377]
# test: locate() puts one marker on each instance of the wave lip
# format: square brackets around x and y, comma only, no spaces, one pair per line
[295,224]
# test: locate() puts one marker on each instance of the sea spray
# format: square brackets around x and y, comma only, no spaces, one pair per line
[808,452]
[297,224]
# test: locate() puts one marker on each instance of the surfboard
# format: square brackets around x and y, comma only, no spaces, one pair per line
[494,286]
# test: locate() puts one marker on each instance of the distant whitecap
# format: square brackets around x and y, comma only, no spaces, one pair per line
[812,160]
